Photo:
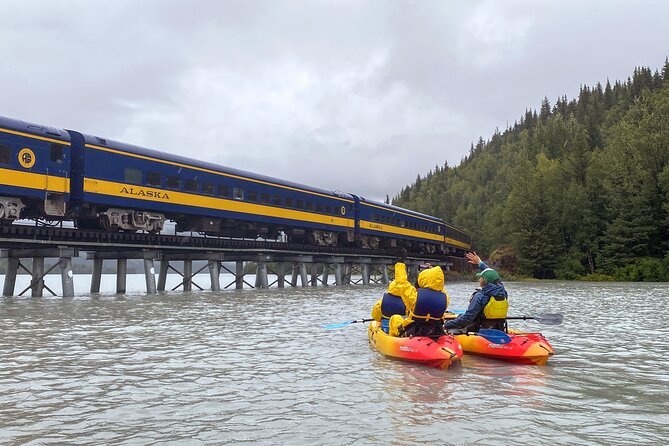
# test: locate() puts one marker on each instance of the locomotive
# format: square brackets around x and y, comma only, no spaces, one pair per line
[52,174]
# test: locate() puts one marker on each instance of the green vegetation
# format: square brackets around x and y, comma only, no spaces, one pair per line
[579,190]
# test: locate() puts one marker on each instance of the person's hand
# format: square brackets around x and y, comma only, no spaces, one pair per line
[473,258]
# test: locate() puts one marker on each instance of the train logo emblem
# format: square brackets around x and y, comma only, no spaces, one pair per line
[26,158]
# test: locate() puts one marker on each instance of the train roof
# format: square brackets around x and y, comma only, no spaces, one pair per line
[33,129]
[190,162]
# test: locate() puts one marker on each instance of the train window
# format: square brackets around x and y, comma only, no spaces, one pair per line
[173,182]
[264,197]
[223,191]
[377,217]
[402,223]
[57,153]
[5,154]
[252,195]
[439,229]
[153,179]
[276,200]
[288,202]
[310,206]
[328,209]
[208,188]
[132,175]
[238,193]
[299,204]
[190,185]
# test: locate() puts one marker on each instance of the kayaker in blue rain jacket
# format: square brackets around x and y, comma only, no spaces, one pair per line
[487,306]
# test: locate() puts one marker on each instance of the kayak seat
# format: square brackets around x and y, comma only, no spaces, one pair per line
[385,325]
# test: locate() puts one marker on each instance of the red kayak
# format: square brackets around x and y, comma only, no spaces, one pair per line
[524,348]
[419,349]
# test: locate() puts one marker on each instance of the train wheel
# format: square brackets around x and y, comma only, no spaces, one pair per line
[105,225]
[331,238]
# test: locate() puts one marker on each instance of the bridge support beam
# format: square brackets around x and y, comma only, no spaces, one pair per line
[326,274]
[150,275]
[364,270]
[37,283]
[338,276]
[239,275]
[281,275]
[188,275]
[314,274]
[215,274]
[10,277]
[162,274]
[121,272]
[96,276]
[261,275]
[67,276]
[384,274]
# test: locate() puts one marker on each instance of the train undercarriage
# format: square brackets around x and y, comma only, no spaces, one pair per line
[132,220]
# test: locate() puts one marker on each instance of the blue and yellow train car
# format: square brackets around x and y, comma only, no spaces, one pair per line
[34,171]
[133,188]
[385,225]
[458,240]
[54,174]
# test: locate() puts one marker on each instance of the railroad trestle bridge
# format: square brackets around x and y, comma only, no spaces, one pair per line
[273,263]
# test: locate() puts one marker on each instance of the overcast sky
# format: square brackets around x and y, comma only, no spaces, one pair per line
[358,96]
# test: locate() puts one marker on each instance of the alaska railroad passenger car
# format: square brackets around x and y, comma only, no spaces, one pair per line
[54,174]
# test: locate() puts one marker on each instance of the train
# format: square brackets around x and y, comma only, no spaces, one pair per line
[50,175]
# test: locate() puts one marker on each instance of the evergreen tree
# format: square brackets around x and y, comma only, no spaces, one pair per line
[579,188]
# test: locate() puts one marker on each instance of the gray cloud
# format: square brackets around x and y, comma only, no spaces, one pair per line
[349,95]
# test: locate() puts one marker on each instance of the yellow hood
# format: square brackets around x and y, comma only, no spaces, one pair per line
[432,278]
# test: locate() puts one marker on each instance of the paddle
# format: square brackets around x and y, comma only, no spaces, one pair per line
[344,324]
[492,335]
[546,318]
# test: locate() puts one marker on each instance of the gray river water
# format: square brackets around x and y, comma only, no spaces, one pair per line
[254,367]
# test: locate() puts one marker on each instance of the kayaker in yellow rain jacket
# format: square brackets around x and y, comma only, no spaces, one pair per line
[388,306]
[425,306]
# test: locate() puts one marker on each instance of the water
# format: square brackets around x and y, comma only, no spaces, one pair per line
[254,367]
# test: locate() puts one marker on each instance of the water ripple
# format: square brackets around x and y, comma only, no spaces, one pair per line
[254,367]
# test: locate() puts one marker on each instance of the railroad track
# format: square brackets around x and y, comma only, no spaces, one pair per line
[25,236]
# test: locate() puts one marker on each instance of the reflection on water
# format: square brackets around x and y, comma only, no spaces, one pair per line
[254,367]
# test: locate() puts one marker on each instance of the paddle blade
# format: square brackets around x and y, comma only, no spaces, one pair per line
[549,318]
[339,325]
[344,324]
[494,336]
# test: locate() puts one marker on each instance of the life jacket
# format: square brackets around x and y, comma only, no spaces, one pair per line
[392,305]
[494,313]
[496,307]
[430,306]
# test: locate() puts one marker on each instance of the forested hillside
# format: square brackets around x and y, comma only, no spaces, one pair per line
[578,188]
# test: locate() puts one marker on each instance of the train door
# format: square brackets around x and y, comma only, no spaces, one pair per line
[77,171]
[356,216]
